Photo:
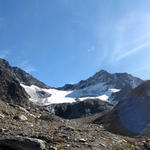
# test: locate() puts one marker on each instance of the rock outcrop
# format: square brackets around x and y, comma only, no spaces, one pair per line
[21,143]
[80,109]
[10,89]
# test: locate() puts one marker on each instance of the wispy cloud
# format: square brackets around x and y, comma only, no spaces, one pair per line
[25,65]
[132,35]
[132,51]
[91,49]
[4,53]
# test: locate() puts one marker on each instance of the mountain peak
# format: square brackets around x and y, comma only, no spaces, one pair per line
[4,63]
[103,71]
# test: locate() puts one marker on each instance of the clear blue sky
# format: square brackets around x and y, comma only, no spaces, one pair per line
[64,41]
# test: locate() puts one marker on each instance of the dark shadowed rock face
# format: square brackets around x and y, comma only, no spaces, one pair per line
[143,90]
[10,79]
[4,64]
[80,109]
[132,114]
[10,89]
[134,110]
[21,75]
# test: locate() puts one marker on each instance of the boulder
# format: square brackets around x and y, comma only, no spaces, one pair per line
[21,143]
[20,117]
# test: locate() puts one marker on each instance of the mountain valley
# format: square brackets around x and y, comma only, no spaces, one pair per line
[106,111]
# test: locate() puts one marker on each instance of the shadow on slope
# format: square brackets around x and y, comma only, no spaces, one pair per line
[132,115]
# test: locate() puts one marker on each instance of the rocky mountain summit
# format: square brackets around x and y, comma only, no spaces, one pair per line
[119,80]
[104,83]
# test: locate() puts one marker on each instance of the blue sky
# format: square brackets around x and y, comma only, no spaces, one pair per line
[65,41]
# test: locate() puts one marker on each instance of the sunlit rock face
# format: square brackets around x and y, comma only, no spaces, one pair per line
[134,111]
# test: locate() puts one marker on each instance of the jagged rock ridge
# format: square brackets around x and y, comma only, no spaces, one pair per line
[111,86]
[21,75]
[118,79]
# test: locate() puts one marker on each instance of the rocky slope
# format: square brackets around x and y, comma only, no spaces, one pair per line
[32,129]
[131,114]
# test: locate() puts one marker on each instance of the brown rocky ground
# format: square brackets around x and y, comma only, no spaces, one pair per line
[61,134]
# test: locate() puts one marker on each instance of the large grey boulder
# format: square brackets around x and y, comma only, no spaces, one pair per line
[21,143]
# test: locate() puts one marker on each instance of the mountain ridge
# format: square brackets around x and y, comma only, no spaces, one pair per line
[97,76]
[102,86]
[21,75]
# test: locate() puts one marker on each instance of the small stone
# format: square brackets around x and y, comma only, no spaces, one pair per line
[32,115]
[52,148]
[5,112]
[2,116]
[29,108]
[102,144]
[69,129]
[2,130]
[30,124]
[39,116]
[23,109]
[20,117]
[82,140]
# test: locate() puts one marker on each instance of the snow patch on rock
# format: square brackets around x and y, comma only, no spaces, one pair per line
[42,96]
